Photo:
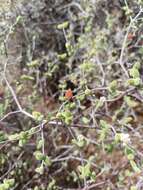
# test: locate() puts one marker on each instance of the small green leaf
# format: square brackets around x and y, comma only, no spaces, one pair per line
[40,144]
[37,115]
[51,185]
[26,77]
[131,103]
[18,18]
[39,155]
[85,120]
[33,63]
[85,171]
[10,182]
[64,25]
[134,166]
[133,187]
[40,169]
[80,141]
[113,86]
[87,67]
[13,137]
[47,161]
[62,56]
[134,81]
[88,92]
[134,73]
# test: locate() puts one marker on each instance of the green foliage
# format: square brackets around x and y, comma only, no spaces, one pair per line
[62,56]
[80,142]
[26,77]
[124,138]
[85,120]
[42,157]
[131,156]
[3,136]
[85,172]
[87,67]
[69,48]
[131,103]
[88,92]
[3,159]
[37,116]
[66,116]
[113,87]
[40,143]
[52,185]
[1,110]
[7,184]
[134,82]
[40,169]
[133,187]
[77,46]
[33,64]
[104,130]
[134,73]
[64,25]
[99,103]
[134,166]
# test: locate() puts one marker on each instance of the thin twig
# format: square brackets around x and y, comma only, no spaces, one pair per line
[13,166]
[125,42]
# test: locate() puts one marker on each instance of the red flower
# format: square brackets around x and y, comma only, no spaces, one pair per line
[68,94]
